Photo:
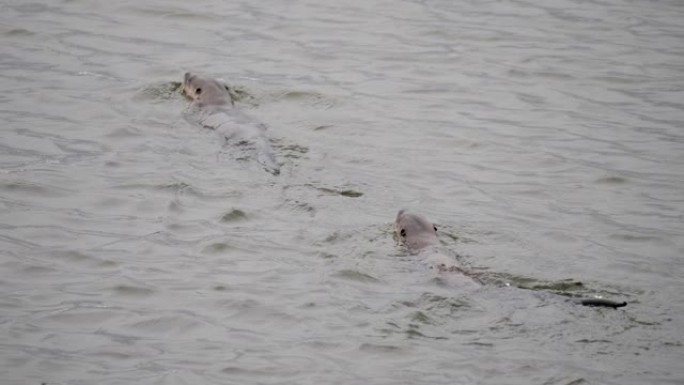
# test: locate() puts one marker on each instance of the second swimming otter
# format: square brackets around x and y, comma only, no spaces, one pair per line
[216,112]
[420,237]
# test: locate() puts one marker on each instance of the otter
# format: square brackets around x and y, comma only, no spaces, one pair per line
[420,238]
[216,112]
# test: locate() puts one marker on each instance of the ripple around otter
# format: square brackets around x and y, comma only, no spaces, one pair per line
[544,138]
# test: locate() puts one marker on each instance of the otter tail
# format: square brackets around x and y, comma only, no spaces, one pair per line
[265,157]
[600,302]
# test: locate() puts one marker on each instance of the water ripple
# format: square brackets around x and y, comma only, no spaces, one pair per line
[544,139]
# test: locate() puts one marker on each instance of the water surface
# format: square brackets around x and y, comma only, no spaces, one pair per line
[544,139]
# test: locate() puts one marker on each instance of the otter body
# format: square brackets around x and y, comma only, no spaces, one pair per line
[215,111]
[420,237]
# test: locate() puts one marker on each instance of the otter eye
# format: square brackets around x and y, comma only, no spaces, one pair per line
[403,233]
[198,91]
[434,227]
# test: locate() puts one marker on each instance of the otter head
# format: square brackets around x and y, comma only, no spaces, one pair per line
[205,91]
[415,231]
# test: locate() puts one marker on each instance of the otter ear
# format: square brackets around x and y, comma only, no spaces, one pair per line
[434,227]
[198,91]
[403,233]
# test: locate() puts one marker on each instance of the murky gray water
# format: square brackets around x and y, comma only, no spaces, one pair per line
[546,140]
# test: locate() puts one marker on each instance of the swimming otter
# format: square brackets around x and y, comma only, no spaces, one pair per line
[420,237]
[216,112]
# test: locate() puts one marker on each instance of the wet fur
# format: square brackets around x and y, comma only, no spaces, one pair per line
[206,91]
[420,236]
[216,112]
[415,231]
